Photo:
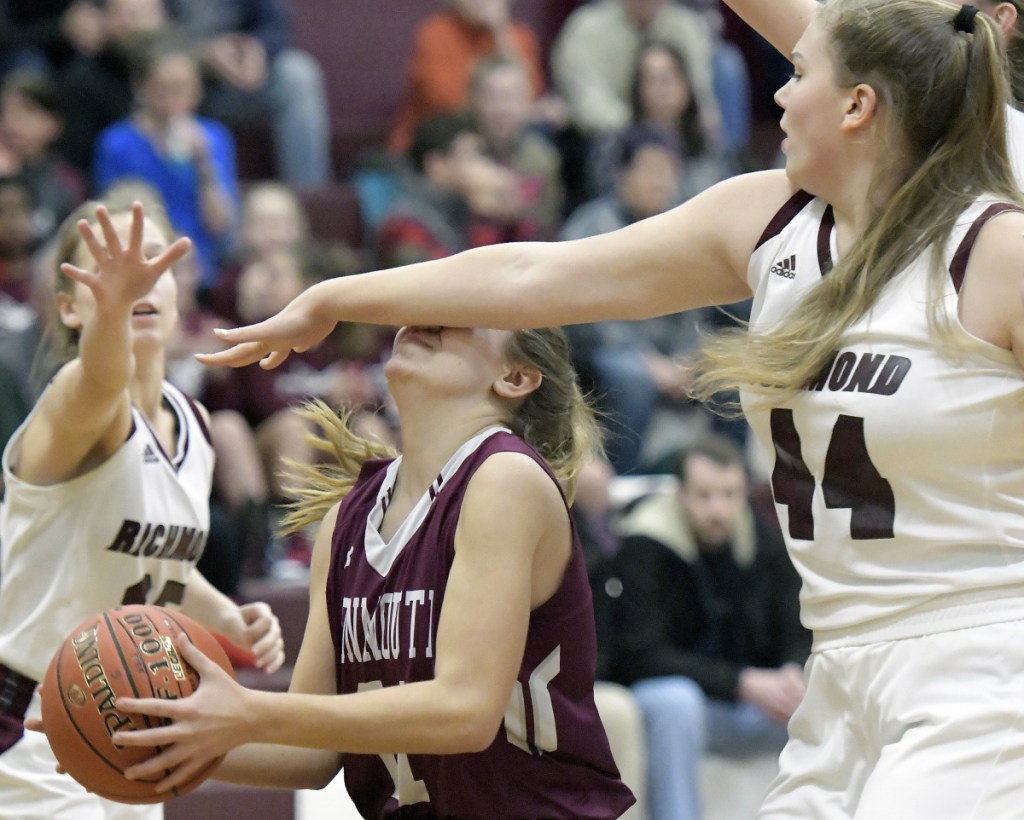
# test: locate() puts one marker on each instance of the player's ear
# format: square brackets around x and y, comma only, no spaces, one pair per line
[1005,15]
[518,381]
[861,107]
[66,310]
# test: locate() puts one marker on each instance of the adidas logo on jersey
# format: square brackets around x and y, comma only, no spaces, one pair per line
[149,455]
[786,268]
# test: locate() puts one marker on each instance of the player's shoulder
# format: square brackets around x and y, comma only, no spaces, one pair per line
[512,476]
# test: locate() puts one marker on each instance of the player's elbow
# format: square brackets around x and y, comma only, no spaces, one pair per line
[475,725]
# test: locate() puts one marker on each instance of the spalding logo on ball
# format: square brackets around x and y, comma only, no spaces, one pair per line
[130,651]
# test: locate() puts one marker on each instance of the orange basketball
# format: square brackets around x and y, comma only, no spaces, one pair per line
[130,651]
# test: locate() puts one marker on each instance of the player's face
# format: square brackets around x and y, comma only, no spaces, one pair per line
[155,316]
[813,109]
[454,360]
[713,498]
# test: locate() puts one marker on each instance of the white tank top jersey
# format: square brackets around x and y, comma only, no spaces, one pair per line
[899,475]
[1015,142]
[128,531]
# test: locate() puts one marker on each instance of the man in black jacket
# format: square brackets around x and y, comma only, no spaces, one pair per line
[707,626]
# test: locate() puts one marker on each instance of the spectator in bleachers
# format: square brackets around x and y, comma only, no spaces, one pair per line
[17,239]
[731,79]
[189,159]
[594,55]
[267,399]
[499,101]
[451,198]
[273,219]
[46,34]
[708,632]
[253,70]
[448,45]
[31,120]
[662,98]
[97,88]
[634,366]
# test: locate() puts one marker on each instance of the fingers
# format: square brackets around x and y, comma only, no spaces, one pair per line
[135,235]
[99,253]
[237,356]
[34,725]
[246,333]
[154,707]
[172,254]
[274,359]
[263,633]
[196,659]
[77,274]
[110,236]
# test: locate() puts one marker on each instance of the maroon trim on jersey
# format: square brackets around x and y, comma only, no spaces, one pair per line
[183,433]
[199,418]
[958,267]
[828,222]
[784,216]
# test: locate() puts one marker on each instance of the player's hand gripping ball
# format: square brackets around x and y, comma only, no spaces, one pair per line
[130,651]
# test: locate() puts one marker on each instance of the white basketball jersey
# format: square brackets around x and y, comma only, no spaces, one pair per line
[1015,142]
[128,531]
[899,475]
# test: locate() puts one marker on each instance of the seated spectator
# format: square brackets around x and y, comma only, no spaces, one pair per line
[43,35]
[267,399]
[189,159]
[594,56]
[632,367]
[254,75]
[448,45]
[17,240]
[662,98]
[96,89]
[31,121]
[451,197]
[499,100]
[272,220]
[707,628]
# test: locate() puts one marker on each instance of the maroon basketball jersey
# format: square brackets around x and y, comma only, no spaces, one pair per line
[550,758]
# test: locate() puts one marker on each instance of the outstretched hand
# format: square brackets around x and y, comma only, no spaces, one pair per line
[123,274]
[204,726]
[298,327]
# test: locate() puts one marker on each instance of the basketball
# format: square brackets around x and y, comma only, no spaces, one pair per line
[130,651]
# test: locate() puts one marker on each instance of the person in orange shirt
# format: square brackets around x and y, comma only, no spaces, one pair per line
[447,47]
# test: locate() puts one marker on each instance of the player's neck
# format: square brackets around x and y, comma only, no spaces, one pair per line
[428,443]
[147,386]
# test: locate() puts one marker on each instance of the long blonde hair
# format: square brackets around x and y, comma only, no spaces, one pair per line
[555,419]
[944,92]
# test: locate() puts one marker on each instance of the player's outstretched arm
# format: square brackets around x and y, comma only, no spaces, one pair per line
[780,22]
[692,256]
[88,401]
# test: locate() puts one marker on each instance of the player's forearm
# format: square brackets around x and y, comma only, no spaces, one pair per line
[212,608]
[484,287]
[781,22]
[278,767]
[416,718]
[105,349]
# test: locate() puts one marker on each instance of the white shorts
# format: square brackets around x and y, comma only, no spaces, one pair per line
[31,788]
[928,728]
